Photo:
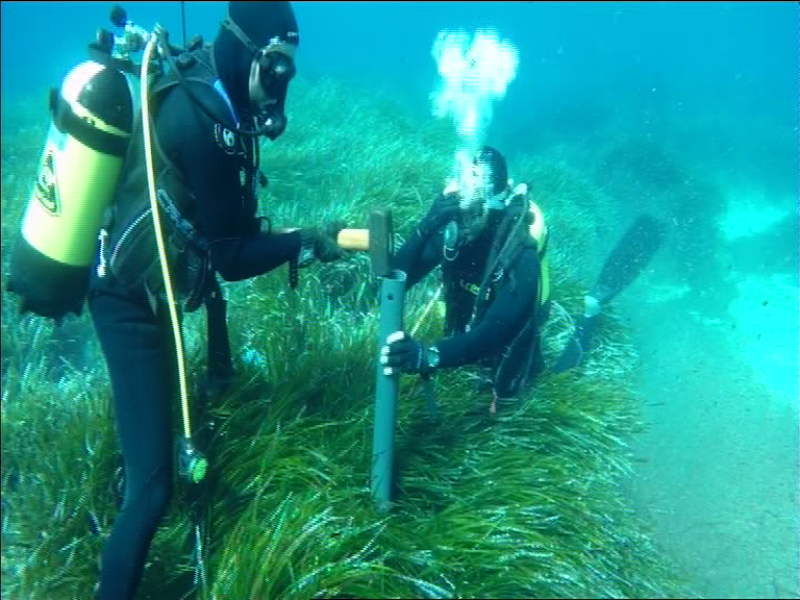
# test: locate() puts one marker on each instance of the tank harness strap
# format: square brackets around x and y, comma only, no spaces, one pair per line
[502,246]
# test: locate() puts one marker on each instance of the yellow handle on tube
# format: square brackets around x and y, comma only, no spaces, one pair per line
[353,239]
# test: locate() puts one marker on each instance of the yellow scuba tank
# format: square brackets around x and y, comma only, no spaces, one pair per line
[538,231]
[92,118]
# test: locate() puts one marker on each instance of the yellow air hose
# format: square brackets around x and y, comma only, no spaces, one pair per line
[159,234]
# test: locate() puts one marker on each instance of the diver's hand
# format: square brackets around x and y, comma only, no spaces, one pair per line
[333,228]
[328,249]
[444,209]
[320,243]
[403,354]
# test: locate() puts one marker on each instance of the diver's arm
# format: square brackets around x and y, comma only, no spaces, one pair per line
[504,318]
[418,256]
[423,249]
[245,257]
[238,250]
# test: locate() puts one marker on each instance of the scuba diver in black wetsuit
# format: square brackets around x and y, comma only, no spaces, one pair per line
[206,116]
[491,242]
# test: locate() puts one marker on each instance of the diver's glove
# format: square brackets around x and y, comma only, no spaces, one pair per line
[445,208]
[320,244]
[403,354]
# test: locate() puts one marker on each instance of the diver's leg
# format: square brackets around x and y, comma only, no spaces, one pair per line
[141,364]
[537,364]
[513,372]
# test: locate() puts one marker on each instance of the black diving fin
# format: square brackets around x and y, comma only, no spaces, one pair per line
[626,261]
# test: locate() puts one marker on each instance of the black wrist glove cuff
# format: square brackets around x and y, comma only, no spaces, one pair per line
[428,359]
[308,243]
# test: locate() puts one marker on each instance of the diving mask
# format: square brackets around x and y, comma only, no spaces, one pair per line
[270,73]
[271,70]
[476,188]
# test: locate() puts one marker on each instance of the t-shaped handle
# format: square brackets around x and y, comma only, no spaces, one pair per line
[377,239]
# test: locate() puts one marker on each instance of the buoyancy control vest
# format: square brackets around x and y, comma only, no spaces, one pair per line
[128,247]
[521,226]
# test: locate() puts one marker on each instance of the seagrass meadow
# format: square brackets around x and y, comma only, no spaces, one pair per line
[528,503]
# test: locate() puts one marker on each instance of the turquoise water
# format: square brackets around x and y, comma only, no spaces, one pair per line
[687,110]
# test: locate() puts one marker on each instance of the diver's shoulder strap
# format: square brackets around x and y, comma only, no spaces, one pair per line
[197,66]
[193,63]
[522,227]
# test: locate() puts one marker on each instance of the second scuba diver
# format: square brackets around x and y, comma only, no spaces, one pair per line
[491,242]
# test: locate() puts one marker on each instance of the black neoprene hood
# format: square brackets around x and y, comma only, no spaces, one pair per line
[262,22]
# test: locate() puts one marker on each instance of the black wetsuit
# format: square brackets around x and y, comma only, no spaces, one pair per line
[217,170]
[505,337]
